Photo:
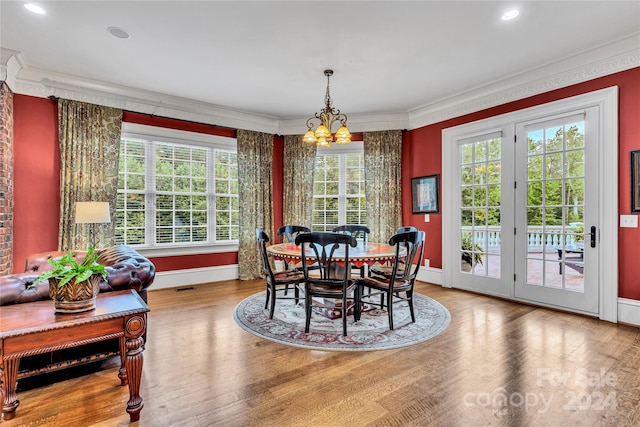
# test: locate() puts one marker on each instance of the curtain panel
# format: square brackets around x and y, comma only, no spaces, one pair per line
[299,162]
[382,168]
[89,153]
[255,162]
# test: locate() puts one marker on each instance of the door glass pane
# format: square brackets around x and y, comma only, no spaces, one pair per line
[479,209]
[555,206]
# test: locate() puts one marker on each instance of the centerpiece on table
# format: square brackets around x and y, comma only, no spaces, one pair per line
[73,284]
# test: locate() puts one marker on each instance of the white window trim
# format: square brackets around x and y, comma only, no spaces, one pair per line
[352,148]
[138,131]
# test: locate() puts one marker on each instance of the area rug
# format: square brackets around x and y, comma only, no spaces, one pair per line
[371,332]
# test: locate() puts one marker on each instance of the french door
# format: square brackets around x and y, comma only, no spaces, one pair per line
[556,210]
[524,202]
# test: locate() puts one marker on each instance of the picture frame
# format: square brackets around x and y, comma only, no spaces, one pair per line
[635,184]
[425,191]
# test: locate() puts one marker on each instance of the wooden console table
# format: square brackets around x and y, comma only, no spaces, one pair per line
[34,328]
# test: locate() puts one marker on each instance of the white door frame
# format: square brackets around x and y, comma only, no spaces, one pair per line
[607,102]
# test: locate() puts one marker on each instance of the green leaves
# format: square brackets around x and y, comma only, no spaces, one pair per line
[66,268]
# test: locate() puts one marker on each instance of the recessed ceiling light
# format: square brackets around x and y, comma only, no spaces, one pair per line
[118,32]
[510,14]
[34,8]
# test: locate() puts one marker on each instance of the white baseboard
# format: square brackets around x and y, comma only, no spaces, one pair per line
[629,311]
[430,275]
[194,276]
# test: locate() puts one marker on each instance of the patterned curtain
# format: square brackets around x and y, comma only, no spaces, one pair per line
[382,168]
[299,162]
[89,151]
[255,161]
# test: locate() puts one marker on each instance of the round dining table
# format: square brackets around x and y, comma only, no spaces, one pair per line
[363,253]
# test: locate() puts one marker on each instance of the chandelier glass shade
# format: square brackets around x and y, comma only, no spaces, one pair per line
[322,136]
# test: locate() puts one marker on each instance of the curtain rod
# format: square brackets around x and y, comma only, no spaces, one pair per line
[55,98]
[180,120]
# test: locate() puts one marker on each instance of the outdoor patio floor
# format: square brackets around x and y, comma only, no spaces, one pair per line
[537,270]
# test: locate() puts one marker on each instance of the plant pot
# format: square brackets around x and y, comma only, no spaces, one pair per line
[465,266]
[75,297]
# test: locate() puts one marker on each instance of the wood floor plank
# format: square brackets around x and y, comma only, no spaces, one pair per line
[498,363]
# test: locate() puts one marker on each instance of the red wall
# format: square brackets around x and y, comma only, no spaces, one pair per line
[36,171]
[422,154]
[37,167]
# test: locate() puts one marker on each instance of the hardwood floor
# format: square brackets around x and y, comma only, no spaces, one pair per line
[498,363]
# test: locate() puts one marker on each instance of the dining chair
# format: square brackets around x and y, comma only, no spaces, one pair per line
[288,233]
[276,282]
[391,288]
[360,232]
[385,270]
[334,280]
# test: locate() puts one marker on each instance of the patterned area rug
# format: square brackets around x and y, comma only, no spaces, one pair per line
[371,332]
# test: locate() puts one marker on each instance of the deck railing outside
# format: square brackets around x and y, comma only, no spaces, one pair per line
[537,240]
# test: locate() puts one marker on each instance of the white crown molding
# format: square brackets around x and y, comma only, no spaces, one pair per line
[11,62]
[43,84]
[619,56]
[598,62]
[357,123]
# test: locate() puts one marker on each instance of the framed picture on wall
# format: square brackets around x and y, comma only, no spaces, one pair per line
[425,194]
[635,176]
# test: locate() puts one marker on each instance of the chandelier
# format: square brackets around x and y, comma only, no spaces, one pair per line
[328,116]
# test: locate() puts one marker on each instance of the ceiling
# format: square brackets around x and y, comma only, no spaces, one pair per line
[267,58]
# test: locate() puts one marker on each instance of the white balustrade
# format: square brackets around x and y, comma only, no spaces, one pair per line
[491,237]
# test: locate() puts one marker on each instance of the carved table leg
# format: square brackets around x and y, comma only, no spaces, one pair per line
[122,373]
[9,376]
[135,327]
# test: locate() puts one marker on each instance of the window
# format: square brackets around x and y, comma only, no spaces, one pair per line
[176,188]
[338,187]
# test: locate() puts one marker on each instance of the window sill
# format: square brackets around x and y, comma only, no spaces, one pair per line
[187,250]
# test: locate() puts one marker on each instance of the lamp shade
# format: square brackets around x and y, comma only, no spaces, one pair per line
[322,132]
[92,212]
[343,136]
[310,137]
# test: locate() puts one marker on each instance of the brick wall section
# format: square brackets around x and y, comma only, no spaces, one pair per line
[6,179]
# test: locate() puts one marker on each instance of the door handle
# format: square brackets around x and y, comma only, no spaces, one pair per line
[593,236]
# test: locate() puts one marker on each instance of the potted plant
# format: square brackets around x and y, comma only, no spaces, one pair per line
[471,252]
[73,284]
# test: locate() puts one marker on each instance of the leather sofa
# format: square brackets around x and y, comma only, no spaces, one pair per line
[126,269]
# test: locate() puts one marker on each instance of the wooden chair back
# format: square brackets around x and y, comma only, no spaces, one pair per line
[288,233]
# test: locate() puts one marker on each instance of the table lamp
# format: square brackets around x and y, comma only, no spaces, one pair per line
[92,213]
